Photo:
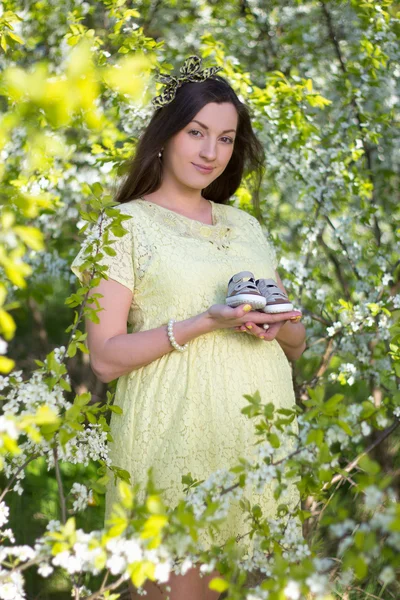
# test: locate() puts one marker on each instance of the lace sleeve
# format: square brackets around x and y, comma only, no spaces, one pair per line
[118,257]
[263,236]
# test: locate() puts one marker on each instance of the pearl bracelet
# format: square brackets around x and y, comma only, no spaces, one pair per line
[172,339]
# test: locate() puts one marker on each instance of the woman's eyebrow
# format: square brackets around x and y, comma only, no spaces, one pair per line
[205,126]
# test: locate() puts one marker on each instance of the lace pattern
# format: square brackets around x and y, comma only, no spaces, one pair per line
[219,233]
[182,412]
[263,235]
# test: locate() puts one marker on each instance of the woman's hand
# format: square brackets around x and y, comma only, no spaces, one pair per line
[271,331]
[223,316]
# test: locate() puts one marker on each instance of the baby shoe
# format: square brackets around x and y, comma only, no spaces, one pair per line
[244,292]
[276,300]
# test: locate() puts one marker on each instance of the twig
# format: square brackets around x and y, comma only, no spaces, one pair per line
[109,588]
[103,583]
[21,468]
[60,485]
[355,462]
[368,594]
[325,360]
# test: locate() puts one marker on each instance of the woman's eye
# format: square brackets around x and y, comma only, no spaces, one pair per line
[197,131]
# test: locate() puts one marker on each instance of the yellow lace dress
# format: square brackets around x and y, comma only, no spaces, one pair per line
[182,412]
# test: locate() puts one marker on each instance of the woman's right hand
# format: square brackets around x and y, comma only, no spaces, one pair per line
[223,316]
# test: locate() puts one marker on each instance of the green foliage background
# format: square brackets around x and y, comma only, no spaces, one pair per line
[321,79]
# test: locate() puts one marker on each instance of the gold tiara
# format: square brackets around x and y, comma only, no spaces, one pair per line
[190,71]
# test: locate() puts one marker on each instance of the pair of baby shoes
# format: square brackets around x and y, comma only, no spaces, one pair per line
[262,294]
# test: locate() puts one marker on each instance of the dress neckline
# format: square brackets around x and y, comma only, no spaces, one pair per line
[214,217]
[220,233]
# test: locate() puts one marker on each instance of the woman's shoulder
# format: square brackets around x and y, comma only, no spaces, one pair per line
[132,208]
[239,215]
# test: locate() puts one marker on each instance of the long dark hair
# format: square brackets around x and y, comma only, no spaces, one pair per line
[248,157]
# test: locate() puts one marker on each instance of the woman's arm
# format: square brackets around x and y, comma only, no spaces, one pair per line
[292,335]
[114,352]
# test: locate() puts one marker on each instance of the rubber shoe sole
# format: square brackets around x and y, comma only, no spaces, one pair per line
[256,302]
[277,308]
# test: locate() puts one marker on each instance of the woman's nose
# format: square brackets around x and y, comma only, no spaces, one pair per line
[209,151]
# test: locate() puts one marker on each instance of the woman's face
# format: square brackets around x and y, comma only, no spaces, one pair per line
[206,141]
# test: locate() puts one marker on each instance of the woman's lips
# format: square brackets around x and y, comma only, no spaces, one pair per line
[201,169]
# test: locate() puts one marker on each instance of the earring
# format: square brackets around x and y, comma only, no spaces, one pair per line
[160,153]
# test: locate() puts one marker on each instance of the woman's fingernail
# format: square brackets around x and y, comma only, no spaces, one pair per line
[262,337]
[249,326]
[246,307]
[295,319]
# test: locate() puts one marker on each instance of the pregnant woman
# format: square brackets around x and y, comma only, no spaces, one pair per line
[186,361]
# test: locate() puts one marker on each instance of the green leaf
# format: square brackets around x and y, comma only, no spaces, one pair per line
[83,399]
[273,440]
[345,426]
[285,411]
[97,189]
[315,436]
[91,418]
[109,251]
[360,567]
[254,399]
[64,385]
[125,493]
[331,404]
[65,436]
[269,410]
[369,465]
[71,350]
[72,412]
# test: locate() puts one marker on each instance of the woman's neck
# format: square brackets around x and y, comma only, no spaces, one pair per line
[199,209]
[177,202]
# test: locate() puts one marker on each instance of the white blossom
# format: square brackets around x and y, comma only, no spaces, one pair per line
[4,513]
[373,497]
[162,571]
[318,584]
[83,496]
[8,426]
[292,591]
[387,575]
[207,567]
[346,577]
[116,563]
[186,566]
[45,569]
[339,529]
[11,586]
[67,561]
[365,428]
[3,346]
[9,534]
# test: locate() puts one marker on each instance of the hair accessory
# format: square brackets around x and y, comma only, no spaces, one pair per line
[190,71]
[172,339]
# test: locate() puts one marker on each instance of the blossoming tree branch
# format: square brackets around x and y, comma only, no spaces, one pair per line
[322,83]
